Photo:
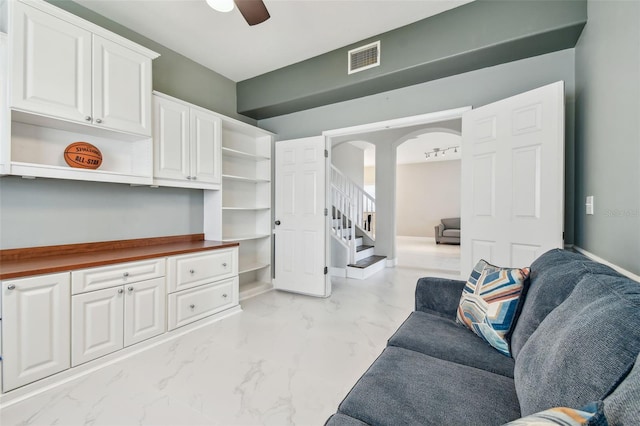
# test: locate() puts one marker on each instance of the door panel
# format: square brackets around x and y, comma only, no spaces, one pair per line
[51,65]
[300,204]
[121,88]
[513,179]
[35,332]
[144,310]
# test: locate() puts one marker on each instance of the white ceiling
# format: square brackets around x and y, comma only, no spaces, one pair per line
[297,29]
[413,150]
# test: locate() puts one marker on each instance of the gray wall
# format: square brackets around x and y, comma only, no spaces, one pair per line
[474,88]
[608,133]
[48,212]
[350,161]
[426,193]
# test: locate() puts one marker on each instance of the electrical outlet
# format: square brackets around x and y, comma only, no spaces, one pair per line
[589,205]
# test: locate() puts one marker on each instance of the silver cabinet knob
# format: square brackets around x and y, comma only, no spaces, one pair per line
[224,265]
[120,291]
[88,118]
[126,274]
[194,177]
[224,295]
[192,306]
[98,121]
[278,223]
[189,177]
[11,287]
[130,289]
[192,271]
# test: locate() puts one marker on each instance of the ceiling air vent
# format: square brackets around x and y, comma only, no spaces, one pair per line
[364,57]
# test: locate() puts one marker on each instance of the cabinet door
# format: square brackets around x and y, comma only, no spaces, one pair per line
[170,140]
[205,147]
[97,321]
[51,65]
[121,88]
[35,328]
[144,310]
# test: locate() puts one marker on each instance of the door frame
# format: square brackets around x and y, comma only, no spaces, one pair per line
[396,123]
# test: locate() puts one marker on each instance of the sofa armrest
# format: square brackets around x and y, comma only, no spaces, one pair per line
[438,295]
[439,230]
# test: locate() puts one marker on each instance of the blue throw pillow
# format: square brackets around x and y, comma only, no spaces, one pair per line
[489,302]
[590,415]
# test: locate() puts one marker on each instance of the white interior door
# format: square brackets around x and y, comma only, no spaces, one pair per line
[513,179]
[300,231]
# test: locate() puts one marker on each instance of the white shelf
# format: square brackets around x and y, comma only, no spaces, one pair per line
[244,179]
[245,237]
[244,155]
[250,267]
[58,172]
[246,208]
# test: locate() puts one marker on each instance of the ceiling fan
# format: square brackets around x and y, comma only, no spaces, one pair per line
[253,11]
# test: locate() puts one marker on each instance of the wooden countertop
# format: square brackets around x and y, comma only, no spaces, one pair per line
[23,262]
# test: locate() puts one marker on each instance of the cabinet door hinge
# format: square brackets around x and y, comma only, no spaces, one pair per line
[326,270]
[326,153]
[326,212]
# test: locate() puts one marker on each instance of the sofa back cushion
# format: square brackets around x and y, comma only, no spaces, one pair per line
[453,222]
[553,277]
[622,406]
[583,347]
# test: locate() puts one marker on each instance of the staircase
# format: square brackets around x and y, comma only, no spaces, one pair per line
[353,226]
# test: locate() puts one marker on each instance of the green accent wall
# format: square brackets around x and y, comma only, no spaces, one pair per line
[608,133]
[476,35]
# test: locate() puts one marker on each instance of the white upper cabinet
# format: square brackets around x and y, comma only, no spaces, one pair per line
[186,144]
[122,88]
[67,68]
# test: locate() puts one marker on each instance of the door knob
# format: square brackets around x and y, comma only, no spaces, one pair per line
[278,222]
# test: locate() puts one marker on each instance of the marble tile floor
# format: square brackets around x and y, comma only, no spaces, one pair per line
[285,360]
[424,253]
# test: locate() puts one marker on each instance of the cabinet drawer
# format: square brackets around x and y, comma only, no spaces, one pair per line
[92,279]
[196,269]
[191,305]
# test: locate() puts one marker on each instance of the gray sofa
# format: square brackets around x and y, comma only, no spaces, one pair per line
[575,341]
[448,231]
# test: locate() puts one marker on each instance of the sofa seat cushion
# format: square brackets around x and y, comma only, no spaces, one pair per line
[442,338]
[583,347]
[553,277]
[405,387]
[451,233]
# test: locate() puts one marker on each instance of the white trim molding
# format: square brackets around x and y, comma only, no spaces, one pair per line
[338,272]
[609,264]
[391,263]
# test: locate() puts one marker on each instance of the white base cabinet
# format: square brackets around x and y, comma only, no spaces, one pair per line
[35,328]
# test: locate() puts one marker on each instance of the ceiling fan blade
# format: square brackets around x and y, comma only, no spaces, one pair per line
[254,11]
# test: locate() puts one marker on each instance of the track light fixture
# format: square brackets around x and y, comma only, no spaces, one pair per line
[441,151]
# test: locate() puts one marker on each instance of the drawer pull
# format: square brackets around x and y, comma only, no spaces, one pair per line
[130,289]
[120,291]
[192,271]
[11,287]
[192,306]
[224,265]
[126,274]
[224,295]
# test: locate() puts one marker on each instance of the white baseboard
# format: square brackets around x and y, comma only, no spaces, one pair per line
[391,263]
[609,264]
[338,272]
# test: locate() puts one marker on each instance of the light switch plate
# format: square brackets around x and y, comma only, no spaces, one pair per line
[589,205]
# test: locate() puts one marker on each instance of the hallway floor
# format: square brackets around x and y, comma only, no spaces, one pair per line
[423,253]
[285,360]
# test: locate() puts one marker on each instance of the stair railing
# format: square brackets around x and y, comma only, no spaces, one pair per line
[342,214]
[363,213]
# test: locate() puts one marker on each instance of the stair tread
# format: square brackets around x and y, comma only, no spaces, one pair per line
[367,261]
[363,247]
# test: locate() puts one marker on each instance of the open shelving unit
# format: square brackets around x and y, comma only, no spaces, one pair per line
[245,202]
